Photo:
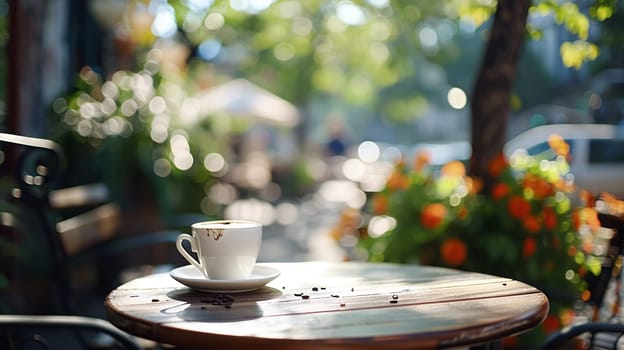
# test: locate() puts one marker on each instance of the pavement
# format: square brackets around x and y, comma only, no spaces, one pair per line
[307,239]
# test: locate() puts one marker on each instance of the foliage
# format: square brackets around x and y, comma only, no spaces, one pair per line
[133,133]
[531,226]
[568,14]
[346,50]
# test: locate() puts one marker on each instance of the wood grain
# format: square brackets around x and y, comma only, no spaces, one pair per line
[350,305]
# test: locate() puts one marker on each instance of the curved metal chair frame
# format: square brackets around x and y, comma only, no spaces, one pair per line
[600,335]
[11,324]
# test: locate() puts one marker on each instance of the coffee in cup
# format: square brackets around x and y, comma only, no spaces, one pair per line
[226,249]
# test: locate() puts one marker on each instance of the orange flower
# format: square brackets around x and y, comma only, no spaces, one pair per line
[497,165]
[474,185]
[380,204]
[500,190]
[432,215]
[550,218]
[590,217]
[585,295]
[551,324]
[454,168]
[518,207]
[397,181]
[590,199]
[558,145]
[576,219]
[453,252]
[531,224]
[588,245]
[528,247]
[540,187]
[567,317]
[421,160]
[587,216]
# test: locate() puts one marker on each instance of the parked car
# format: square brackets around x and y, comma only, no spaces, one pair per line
[546,114]
[596,152]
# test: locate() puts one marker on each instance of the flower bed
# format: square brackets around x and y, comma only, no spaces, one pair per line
[533,225]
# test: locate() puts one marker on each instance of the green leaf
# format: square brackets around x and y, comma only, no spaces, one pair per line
[574,54]
[594,265]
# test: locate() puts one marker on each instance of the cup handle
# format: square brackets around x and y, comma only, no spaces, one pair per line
[186,237]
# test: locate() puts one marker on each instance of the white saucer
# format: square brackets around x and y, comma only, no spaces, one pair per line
[191,277]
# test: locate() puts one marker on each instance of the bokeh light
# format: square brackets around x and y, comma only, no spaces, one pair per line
[216,164]
[342,191]
[286,213]
[181,151]
[222,193]
[209,49]
[457,98]
[368,151]
[250,6]
[284,51]
[350,14]
[164,24]
[428,37]
[251,209]
[162,167]
[379,225]
[354,169]
[214,21]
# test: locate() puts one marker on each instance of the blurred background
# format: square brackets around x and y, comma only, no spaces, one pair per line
[286,112]
[294,114]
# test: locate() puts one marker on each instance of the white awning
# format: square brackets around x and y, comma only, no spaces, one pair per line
[241,98]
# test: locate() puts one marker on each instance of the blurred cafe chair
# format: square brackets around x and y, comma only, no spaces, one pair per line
[604,328]
[606,288]
[591,335]
[61,332]
[43,246]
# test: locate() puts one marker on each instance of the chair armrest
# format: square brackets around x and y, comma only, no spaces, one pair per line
[79,196]
[125,244]
[68,322]
[594,328]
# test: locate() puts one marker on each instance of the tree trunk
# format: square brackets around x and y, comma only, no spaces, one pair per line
[491,97]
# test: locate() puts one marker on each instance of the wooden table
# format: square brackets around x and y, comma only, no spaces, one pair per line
[349,305]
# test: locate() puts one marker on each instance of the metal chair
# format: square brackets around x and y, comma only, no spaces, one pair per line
[592,335]
[604,330]
[47,247]
[54,332]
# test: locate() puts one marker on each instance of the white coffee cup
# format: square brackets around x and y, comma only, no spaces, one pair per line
[226,249]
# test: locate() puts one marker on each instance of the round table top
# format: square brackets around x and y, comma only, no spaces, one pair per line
[332,305]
